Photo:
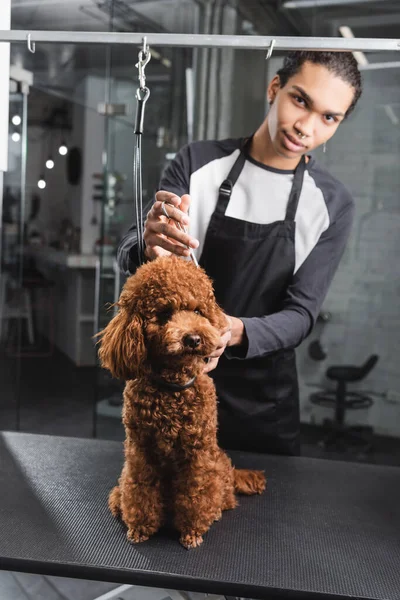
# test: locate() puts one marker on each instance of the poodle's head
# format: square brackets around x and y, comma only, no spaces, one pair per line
[168,319]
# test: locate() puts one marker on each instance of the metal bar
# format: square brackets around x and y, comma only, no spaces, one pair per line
[320,3]
[246,42]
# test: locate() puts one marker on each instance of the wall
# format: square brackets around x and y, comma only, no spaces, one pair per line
[92,90]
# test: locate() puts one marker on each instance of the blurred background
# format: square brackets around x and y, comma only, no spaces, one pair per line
[68,199]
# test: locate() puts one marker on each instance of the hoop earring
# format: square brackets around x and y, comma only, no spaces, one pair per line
[324,148]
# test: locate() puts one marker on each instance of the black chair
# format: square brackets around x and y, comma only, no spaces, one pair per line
[339,434]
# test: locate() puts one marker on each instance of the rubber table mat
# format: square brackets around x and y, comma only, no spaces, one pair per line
[323,529]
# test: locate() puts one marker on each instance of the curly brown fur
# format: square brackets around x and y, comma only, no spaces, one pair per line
[172,460]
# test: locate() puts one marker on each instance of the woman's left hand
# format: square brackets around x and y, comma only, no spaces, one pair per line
[230,336]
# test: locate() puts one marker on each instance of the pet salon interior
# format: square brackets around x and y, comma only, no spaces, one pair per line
[70,178]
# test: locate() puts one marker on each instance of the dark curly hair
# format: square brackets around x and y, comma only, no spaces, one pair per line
[342,64]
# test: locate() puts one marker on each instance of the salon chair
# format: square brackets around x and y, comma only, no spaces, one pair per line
[340,435]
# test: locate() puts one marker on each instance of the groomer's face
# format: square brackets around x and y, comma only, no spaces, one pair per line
[313,102]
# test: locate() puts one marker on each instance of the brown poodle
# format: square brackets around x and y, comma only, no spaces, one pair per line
[168,323]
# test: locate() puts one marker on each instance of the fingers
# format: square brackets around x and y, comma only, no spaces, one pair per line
[185,203]
[153,252]
[162,209]
[177,208]
[154,242]
[225,338]
[163,196]
[212,363]
[228,326]
[158,232]
[165,233]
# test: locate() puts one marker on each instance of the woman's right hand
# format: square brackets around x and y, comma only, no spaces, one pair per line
[161,235]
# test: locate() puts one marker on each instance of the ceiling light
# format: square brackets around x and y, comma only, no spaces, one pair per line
[49,163]
[63,149]
[16,120]
[42,182]
[16,136]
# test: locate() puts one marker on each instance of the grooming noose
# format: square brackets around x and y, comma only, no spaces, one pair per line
[142,95]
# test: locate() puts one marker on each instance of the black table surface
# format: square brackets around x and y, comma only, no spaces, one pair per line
[323,529]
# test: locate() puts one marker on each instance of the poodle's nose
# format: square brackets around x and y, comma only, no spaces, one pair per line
[192,340]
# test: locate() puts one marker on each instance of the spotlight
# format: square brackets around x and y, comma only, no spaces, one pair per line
[16,136]
[42,182]
[16,120]
[63,148]
[49,163]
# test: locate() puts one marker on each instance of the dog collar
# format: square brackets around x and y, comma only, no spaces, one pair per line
[174,387]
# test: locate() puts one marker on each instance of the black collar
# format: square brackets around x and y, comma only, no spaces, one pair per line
[174,387]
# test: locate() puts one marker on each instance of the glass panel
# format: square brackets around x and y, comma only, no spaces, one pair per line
[165,131]
[15,316]
[58,225]
[360,313]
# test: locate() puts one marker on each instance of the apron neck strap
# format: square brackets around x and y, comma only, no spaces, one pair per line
[226,186]
[296,190]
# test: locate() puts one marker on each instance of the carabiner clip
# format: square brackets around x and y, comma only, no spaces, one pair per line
[144,58]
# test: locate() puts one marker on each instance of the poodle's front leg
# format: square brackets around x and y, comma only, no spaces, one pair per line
[198,501]
[141,502]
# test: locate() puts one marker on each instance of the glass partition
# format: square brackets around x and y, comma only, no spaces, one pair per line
[16,324]
[165,131]
[359,316]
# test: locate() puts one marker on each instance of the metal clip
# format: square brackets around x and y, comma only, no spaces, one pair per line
[270,49]
[31,45]
[144,58]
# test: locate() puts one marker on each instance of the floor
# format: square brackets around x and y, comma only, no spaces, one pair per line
[23,586]
[50,395]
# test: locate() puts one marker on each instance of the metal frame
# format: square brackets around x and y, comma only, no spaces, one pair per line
[246,42]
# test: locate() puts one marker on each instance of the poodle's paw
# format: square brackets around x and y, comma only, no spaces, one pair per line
[249,482]
[137,535]
[114,501]
[218,515]
[191,540]
[258,481]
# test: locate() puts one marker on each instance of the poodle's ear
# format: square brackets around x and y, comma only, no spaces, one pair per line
[122,350]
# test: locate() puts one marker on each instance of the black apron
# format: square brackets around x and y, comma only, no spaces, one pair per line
[251,266]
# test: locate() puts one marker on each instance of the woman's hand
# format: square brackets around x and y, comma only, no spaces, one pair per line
[232,335]
[162,236]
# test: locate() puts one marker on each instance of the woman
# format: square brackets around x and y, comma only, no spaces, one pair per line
[269,225]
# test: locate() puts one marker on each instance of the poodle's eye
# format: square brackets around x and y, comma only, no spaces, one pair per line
[198,312]
[164,315]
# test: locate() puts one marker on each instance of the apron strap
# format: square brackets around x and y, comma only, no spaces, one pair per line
[226,186]
[295,192]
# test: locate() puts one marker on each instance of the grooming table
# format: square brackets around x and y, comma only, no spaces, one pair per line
[322,530]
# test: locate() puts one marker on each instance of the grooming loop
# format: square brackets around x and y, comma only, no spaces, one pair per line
[142,95]
[144,58]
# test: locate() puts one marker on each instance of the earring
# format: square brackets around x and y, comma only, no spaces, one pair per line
[324,148]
